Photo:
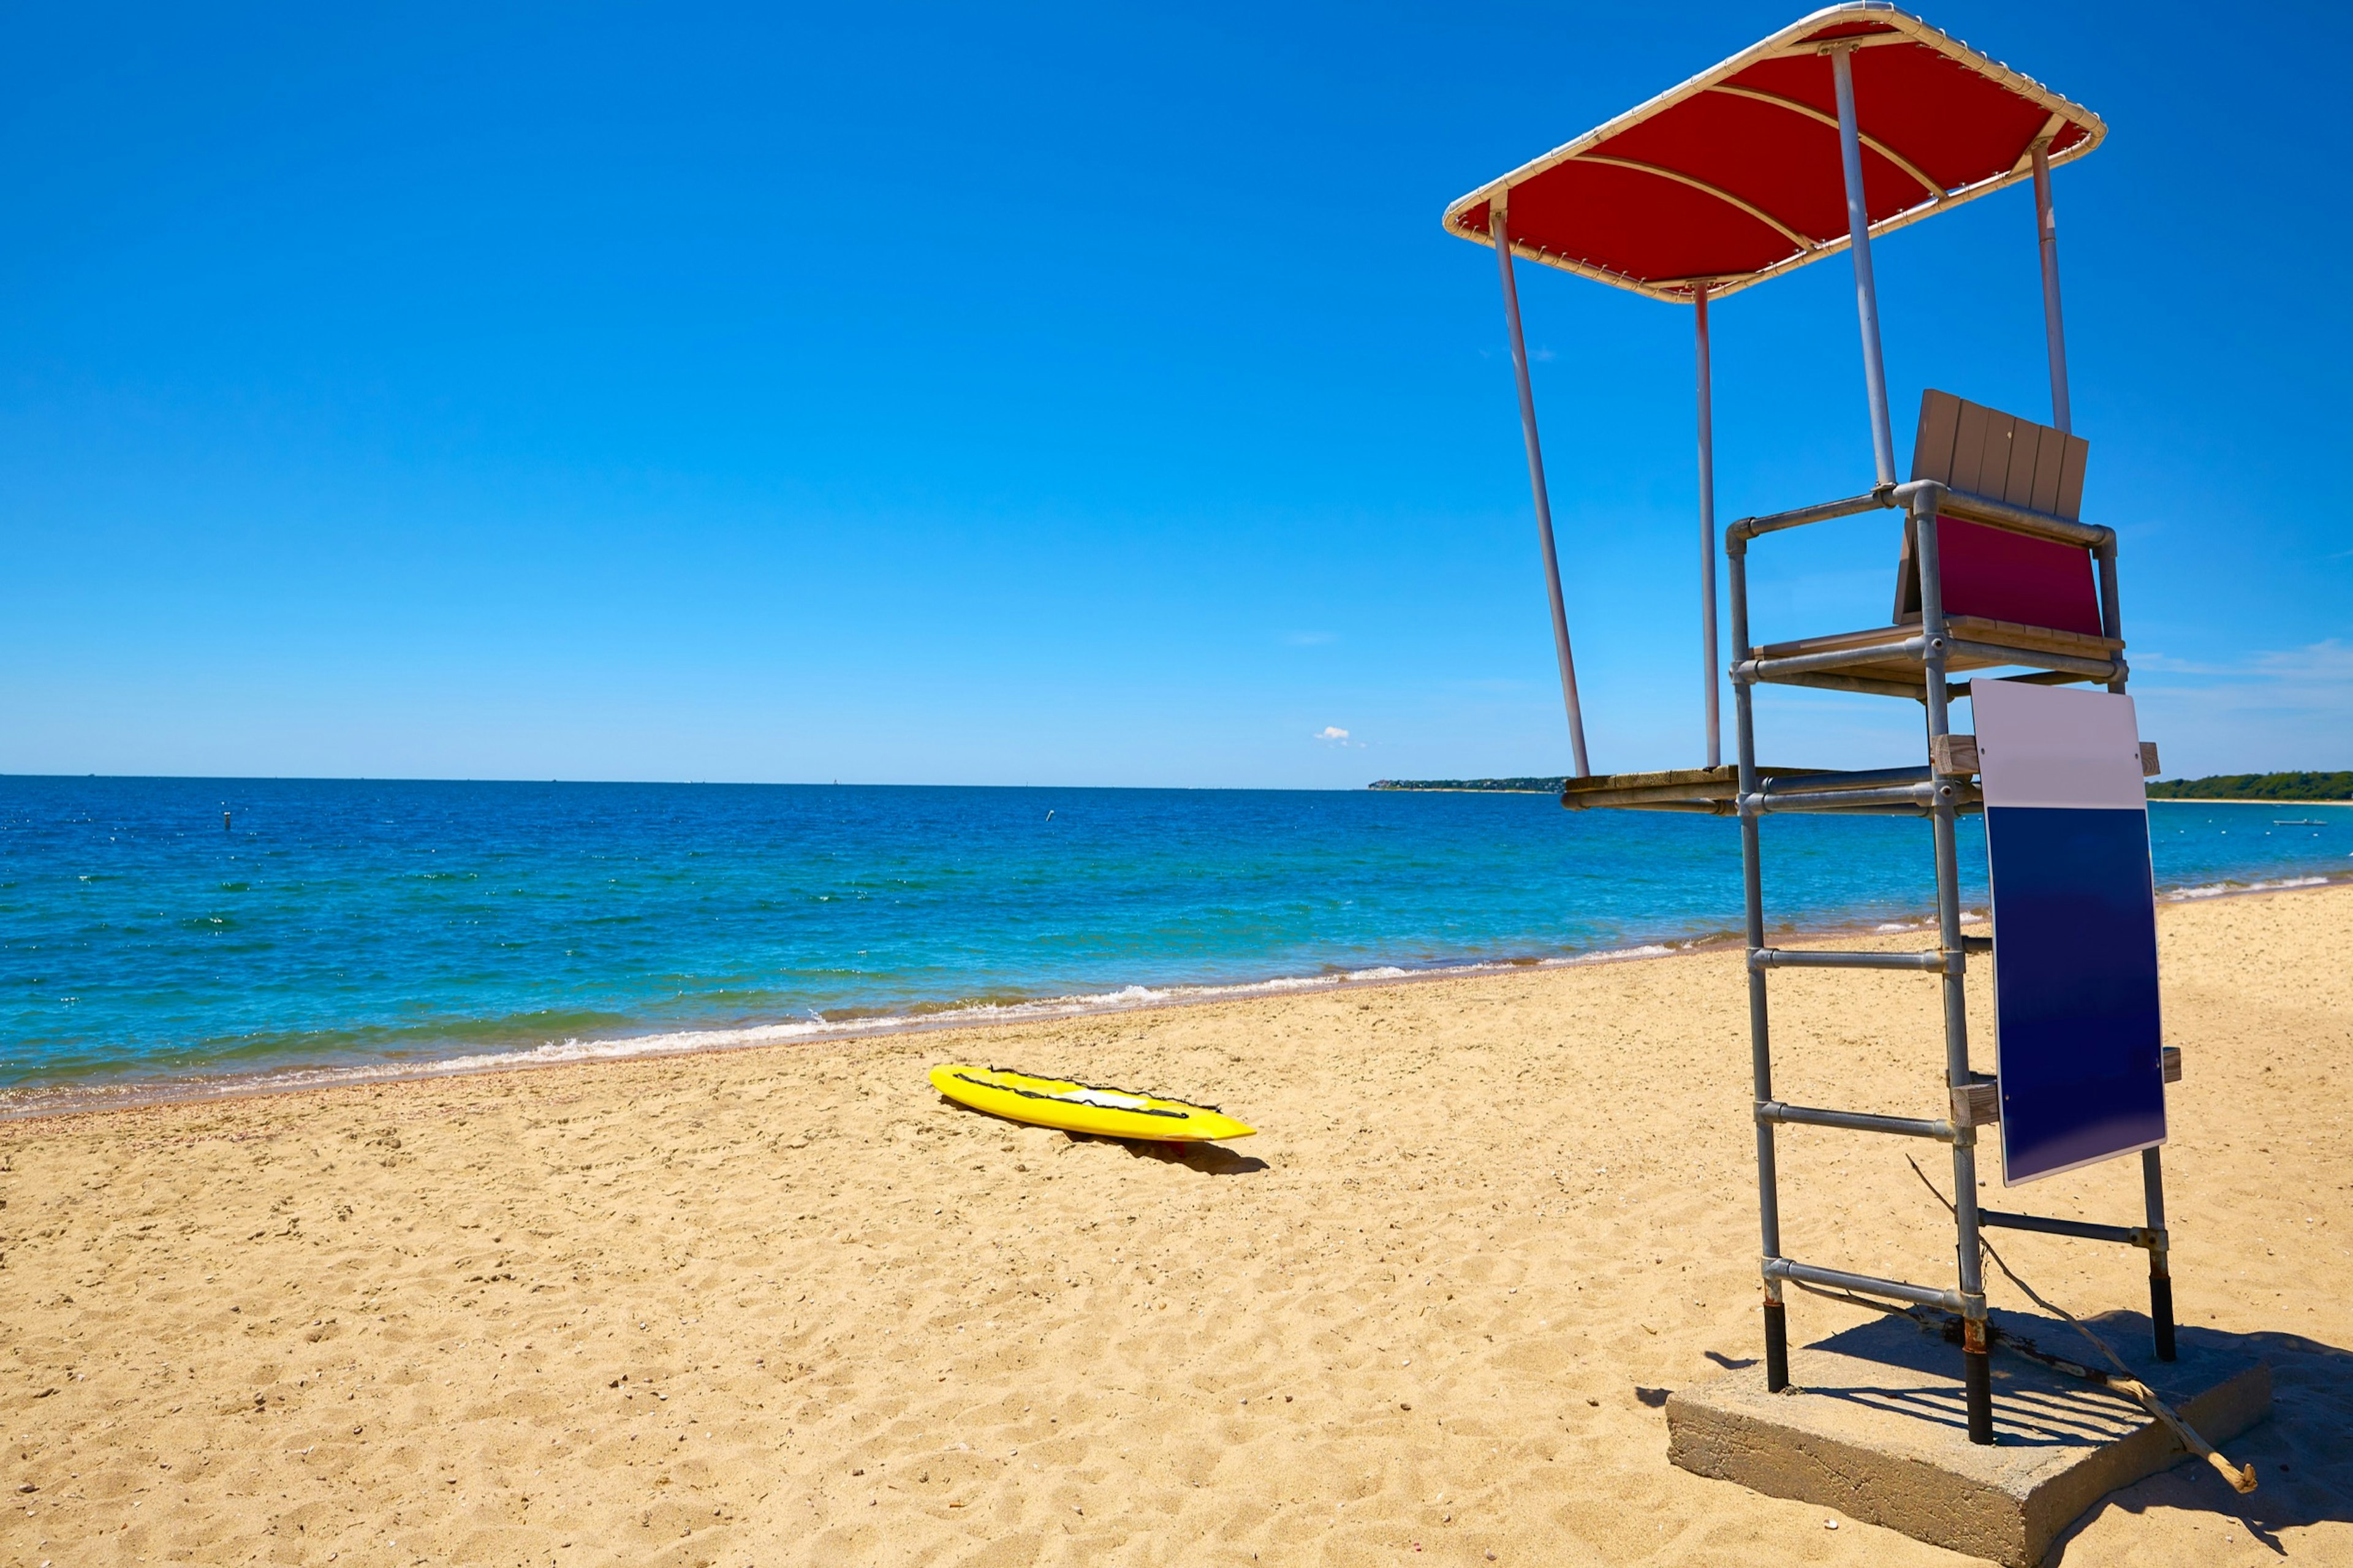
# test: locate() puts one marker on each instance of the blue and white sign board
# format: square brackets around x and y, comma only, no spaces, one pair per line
[2078,1044]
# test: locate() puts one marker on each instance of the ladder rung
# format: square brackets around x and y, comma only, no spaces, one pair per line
[2129,1235]
[1807,958]
[1839,1279]
[1854,1121]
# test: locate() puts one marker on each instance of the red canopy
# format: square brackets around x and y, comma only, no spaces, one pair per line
[1735,177]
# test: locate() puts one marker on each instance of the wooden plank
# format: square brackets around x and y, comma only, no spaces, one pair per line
[1656,796]
[1892,683]
[1993,468]
[1724,808]
[1907,577]
[1674,789]
[1867,678]
[1837,642]
[1964,660]
[1977,1105]
[1901,673]
[2071,479]
[1960,689]
[2050,639]
[1952,753]
[1670,778]
[1932,448]
[1968,448]
[2025,450]
[2050,458]
[1983,450]
[1969,629]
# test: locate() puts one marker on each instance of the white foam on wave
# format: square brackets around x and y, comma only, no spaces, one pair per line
[1127,998]
[46,1099]
[1604,956]
[683,1042]
[2223,889]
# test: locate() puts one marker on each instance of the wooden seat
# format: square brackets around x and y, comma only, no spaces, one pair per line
[1968,633]
[2010,599]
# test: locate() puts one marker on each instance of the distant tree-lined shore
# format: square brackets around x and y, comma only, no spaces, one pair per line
[1510,787]
[2335,786]
[2256,786]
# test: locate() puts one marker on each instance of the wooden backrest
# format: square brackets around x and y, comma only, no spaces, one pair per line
[1989,573]
[1987,452]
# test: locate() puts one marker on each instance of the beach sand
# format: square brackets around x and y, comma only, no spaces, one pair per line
[785,1306]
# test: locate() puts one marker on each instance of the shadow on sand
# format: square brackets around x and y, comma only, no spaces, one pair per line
[1208,1159]
[2303,1454]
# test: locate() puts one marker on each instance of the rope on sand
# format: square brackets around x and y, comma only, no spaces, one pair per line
[2241,1478]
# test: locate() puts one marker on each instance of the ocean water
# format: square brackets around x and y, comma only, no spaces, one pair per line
[344,928]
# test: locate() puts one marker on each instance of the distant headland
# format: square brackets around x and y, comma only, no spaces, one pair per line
[1507,786]
[2335,786]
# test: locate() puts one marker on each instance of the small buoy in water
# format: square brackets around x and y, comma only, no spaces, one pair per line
[224,822]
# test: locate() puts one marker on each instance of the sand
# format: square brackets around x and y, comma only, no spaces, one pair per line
[787,1306]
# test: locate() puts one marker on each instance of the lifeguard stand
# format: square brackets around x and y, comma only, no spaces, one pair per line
[1854,121]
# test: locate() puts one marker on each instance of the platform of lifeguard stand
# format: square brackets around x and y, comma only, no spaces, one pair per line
[1716,792]
[1917,659]
[1868,1423]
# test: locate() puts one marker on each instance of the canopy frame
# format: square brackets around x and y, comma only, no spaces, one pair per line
[2068,132]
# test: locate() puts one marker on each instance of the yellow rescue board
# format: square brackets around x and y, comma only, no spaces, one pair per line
[1083,1107]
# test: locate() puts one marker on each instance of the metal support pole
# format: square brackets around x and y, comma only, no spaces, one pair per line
[1760,1035]
[1977,1379]
[2112,616]
[1976,1373]
[2123,1234]
[1709,670]
[1866,291]
[2160,1269]
[2054,331]
[2152,1165]
[1497,232]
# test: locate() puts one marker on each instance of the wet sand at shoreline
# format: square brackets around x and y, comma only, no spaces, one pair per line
[785,1305]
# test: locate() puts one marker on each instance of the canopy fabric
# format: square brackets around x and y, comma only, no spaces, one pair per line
[1735,176]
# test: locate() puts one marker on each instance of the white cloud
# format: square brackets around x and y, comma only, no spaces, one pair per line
[1333,735]
[2287,708]
[2324,665]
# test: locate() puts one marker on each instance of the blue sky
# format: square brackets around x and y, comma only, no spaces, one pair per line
[1072,395]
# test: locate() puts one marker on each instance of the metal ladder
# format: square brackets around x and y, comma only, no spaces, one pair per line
[1942,791]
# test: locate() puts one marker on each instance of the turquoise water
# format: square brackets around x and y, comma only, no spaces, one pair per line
[346,928]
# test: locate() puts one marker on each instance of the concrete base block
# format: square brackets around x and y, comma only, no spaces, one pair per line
[1873,1425]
